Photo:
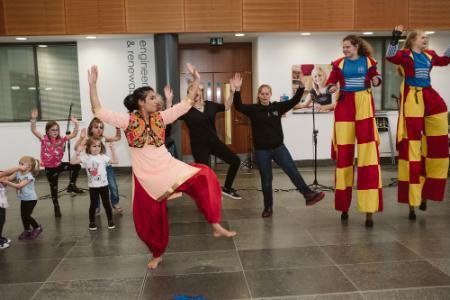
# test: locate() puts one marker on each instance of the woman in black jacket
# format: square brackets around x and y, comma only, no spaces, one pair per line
[265,117]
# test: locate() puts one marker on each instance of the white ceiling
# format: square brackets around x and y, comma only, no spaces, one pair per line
[187,38]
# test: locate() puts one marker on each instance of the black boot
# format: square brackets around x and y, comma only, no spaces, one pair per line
[369,223]
[267,213]
[423,205]
[72,188]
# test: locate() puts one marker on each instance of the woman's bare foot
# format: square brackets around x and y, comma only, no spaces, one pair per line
[219,231]
[153,264]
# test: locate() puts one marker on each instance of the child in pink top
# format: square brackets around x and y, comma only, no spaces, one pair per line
[156,174]
[52,151]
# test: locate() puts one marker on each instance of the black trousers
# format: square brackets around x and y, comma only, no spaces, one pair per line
[26,209]
[94,194]
[53,175]
[201,155]
[2,219]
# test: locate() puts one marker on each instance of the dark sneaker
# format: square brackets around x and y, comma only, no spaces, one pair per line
[92,227]
[35,233]
[24,235]
[314,197]
[72,188]
[3,245]
[230,192]
[267,213]
[344,215]
[111,224]
[412,215]
[57,211]
[5,240]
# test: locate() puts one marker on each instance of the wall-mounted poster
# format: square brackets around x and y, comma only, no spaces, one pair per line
[315,77]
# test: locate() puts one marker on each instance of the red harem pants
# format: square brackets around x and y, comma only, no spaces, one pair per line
[150,216]
[354,117]
[423,151]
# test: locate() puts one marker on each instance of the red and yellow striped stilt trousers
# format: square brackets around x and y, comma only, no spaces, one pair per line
[354,118]
[423,146]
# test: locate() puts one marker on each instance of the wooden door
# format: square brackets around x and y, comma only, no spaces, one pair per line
[233,127]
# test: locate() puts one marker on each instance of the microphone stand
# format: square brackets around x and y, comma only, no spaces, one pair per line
[68,132]
[316,186]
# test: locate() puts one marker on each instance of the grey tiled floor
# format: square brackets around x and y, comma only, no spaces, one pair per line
[300,253]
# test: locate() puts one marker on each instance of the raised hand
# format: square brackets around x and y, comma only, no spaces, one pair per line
[399,28]
[236,81]
[83,134]
[34,113]
[168,92]
[397,34]
[193,71]
[93,75]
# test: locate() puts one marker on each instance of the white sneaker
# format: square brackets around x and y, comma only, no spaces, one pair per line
[5,240]
[4,245]
[111,225]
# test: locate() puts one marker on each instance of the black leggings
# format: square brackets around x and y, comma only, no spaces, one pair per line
[26,209]
[94,194]
[201,155]
[53,174]
[2,219]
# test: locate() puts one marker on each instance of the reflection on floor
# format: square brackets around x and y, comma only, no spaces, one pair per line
[301,253]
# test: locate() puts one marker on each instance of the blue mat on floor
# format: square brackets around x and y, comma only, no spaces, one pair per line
[183,297]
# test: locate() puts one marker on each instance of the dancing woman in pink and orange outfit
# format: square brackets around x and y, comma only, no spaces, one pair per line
[156,174]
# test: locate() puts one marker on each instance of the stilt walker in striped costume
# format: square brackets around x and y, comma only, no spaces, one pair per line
[354,117]
[422,131]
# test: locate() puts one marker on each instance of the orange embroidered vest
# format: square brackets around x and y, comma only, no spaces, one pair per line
[138,133]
